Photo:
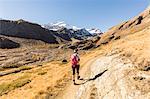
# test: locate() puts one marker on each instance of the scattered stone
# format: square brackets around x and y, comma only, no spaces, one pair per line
[138,78]
[146,68]
[64,61]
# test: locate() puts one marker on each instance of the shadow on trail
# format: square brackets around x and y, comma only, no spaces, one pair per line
[91,79]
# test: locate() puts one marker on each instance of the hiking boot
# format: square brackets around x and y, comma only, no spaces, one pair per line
[74,82]
[78,77]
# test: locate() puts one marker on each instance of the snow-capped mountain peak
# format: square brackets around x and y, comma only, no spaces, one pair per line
[72,31]
[60,24]
[75,28]
[57,26]
[94,30]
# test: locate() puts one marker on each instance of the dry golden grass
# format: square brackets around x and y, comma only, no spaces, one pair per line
[7,87]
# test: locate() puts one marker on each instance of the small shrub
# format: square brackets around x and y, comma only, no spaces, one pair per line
[25,68]
[41,92]
[42,73]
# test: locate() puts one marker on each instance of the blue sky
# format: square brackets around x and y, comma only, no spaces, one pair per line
[102,14]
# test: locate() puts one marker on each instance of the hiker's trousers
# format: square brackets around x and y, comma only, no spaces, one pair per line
[75,68]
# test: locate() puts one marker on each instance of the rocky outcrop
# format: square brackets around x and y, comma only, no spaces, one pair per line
[63,33]
[6,43]
[82,44]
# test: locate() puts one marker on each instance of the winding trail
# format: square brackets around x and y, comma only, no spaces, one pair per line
[103,78]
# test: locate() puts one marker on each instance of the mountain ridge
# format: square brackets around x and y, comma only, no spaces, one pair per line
[135,24]
[23,32]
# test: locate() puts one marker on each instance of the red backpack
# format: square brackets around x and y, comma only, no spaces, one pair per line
[74,59]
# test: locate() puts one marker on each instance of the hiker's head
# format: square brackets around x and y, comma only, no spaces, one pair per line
[75,50]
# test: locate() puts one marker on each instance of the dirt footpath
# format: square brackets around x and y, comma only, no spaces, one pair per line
[104,77]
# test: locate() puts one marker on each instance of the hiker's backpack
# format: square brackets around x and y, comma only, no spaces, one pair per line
[74,59]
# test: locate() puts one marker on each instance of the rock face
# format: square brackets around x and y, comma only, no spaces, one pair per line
[129,27]
[6,43]
[23,29]
[68,34]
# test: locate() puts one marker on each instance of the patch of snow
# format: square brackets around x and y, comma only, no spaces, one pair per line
[60,24]
[75,28]
[94,30]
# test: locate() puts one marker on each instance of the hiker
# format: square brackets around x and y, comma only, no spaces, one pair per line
[75,64]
